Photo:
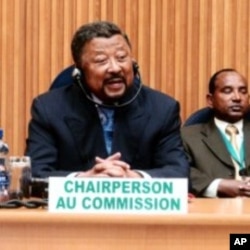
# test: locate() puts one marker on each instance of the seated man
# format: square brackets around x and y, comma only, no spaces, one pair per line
[220,149]
[107,124]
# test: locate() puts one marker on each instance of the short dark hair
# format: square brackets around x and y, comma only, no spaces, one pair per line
[211,85]
[92,30]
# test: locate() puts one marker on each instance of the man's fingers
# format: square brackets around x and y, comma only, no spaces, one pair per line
[113,157]
[121,164]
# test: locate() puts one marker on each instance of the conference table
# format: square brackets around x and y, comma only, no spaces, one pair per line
[207,225]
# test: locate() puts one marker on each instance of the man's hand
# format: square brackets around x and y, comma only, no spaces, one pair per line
[112,166]
[234,188]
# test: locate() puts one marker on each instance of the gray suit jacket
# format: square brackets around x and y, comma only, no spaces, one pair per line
[208,156]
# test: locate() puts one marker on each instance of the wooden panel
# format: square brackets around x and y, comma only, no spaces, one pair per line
[178,45]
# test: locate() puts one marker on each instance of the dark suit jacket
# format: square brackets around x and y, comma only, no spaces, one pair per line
[65,134]
[208,156]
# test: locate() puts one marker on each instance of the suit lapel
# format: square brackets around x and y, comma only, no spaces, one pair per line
[86,129]
[129,128]
[212,138]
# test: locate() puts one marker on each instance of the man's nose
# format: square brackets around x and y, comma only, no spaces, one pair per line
[114,66]
[236,95]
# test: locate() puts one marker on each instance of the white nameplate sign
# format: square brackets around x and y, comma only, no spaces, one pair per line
[118,195]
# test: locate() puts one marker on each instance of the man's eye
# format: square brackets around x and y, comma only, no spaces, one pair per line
[227,90]
[243,91]
[121,57]
[101,60]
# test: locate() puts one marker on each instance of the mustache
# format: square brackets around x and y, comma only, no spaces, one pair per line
[115,77]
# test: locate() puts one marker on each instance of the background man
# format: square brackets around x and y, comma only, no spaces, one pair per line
[216,153]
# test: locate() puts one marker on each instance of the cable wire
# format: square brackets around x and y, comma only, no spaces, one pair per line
[28,204]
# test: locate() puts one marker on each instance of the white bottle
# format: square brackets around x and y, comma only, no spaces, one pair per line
[4,174]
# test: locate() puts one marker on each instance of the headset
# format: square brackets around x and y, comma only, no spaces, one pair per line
[78,76]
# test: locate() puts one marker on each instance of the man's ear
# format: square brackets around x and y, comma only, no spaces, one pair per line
[135,66]
[210,100]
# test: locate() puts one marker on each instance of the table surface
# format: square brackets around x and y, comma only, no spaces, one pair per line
[200,211]
[207,226]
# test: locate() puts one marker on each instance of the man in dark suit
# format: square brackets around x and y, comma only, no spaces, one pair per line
[217,153]
[107,123]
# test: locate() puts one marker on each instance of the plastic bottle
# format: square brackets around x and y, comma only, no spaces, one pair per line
[4,173]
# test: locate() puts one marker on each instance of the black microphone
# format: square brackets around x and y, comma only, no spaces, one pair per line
[23,185]
[34,187]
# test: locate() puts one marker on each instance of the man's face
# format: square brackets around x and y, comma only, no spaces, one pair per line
[107,66]
[230,100]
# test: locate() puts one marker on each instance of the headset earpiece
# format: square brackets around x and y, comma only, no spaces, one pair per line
[135,67]
[76,73]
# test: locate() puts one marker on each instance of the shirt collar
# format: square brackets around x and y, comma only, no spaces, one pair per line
[222,124]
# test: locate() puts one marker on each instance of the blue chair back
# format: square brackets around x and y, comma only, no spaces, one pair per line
[202,115]
[64,78]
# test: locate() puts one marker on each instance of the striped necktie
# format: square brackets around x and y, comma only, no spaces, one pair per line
[232,131]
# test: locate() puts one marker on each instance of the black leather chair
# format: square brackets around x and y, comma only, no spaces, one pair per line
[203,115]
[64,78]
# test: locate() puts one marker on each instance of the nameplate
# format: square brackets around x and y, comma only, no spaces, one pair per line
[118,195]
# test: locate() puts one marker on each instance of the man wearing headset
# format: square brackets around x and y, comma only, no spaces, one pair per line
[106,124]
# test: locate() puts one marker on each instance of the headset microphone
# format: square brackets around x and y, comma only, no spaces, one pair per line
[76,74]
